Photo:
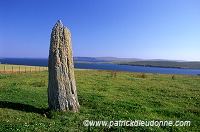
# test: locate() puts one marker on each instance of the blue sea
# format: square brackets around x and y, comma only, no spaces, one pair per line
[103,66]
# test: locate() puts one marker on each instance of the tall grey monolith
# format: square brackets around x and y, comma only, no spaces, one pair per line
[62,94]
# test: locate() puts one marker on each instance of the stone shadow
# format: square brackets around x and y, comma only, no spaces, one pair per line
[23,107]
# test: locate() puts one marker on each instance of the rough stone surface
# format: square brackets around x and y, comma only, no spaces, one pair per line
[62,94]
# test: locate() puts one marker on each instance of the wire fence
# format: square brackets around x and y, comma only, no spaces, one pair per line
[21,69]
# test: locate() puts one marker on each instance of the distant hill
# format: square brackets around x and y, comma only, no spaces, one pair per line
[104,59]
[167,60]
[86,59]
[108,59]
[164,64]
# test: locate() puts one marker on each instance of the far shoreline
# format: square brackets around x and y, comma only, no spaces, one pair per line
[159,64]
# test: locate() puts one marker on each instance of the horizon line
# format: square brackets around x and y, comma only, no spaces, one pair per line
[139,59]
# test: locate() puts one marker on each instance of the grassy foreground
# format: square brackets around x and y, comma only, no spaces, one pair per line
[103,95]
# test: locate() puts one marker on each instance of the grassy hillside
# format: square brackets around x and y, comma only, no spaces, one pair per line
[171,64]
[103,95]
[21,68]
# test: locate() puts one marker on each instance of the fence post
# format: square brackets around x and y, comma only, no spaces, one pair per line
[25,69]
[30,69]
[12,69]
[35,69]
[4,69]
[19,69]
[39,69]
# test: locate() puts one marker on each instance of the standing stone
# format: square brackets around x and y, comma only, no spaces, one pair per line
[62,94]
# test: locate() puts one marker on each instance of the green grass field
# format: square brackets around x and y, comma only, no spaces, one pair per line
[103,95]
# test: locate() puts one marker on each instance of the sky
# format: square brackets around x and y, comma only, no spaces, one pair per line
[145,29]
